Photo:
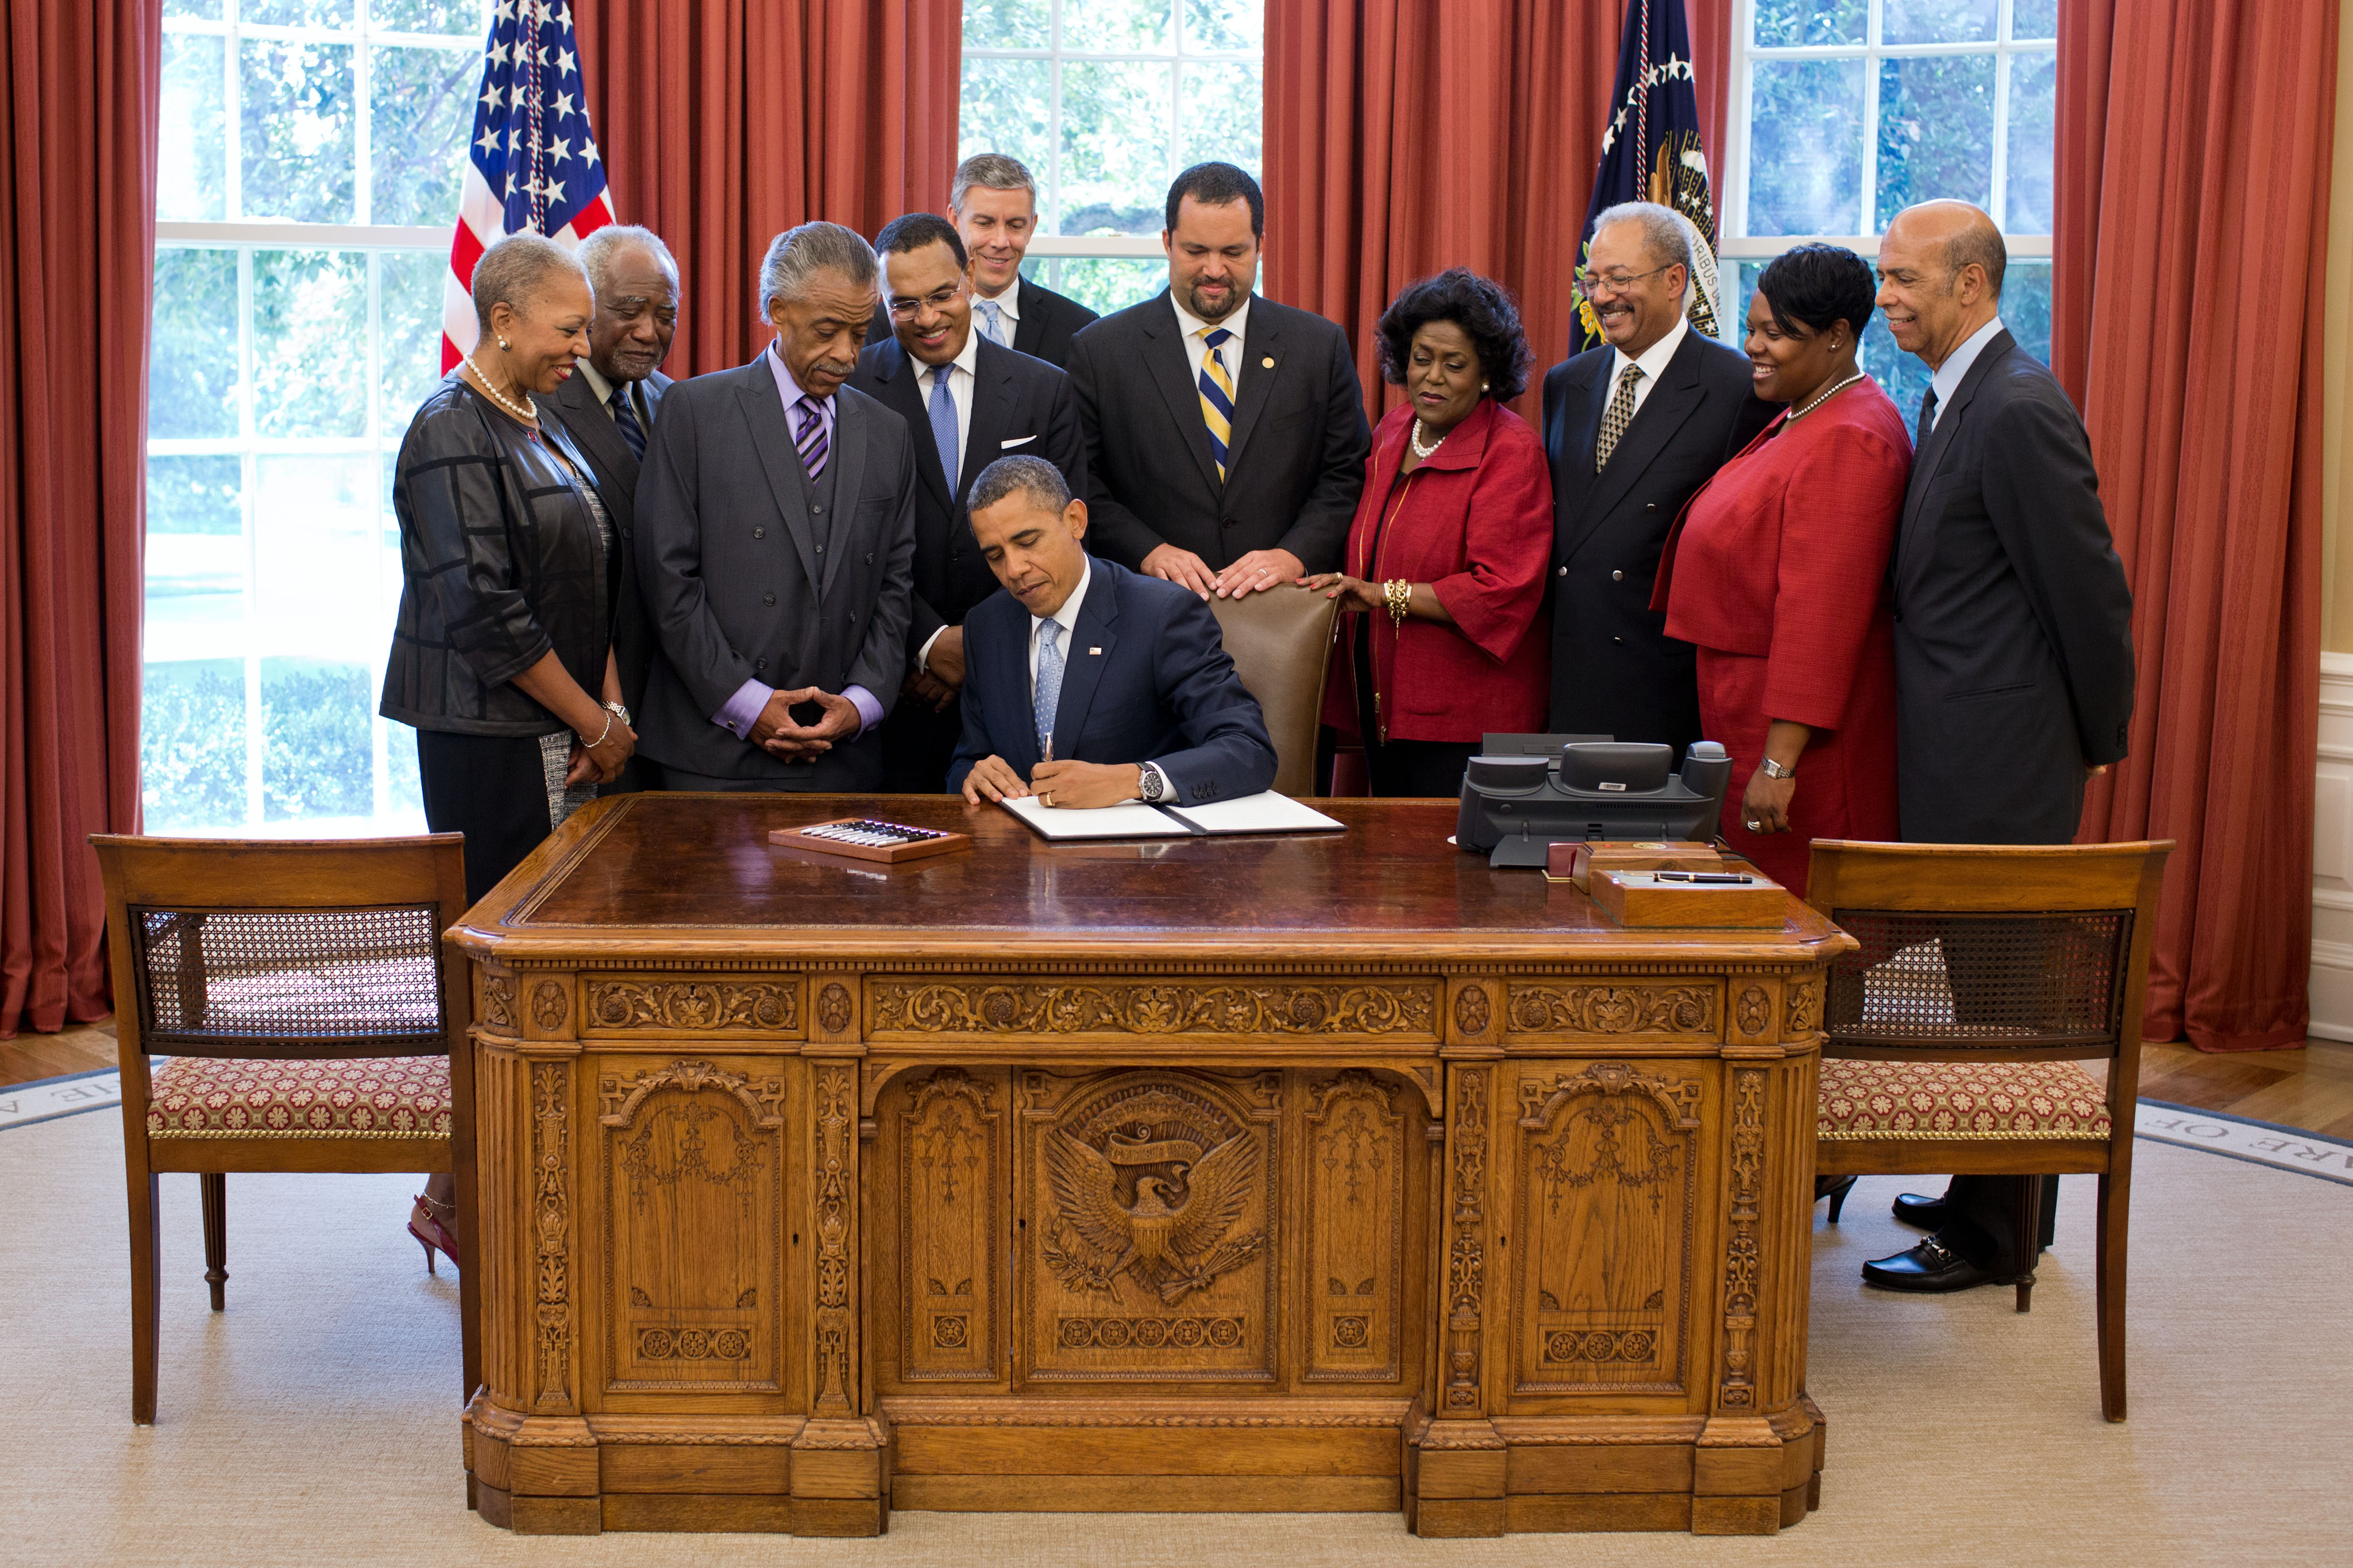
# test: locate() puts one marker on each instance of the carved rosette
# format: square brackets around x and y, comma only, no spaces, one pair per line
[1154,1007]
[1741,1252]
[499,1002]
[836,1116]
[693,1006]
[1466,1261]
[1614,1007]
[551,1154]
[1753,1011]
[835,1010]
[550,1005]
[1472,1011]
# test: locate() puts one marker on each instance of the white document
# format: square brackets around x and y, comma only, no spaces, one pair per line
[1133,820]
[1264,813]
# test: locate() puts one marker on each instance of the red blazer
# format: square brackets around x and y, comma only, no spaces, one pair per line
[1783,555]
[1474,521]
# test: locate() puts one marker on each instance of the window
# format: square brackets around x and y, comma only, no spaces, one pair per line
[1846,112]
[1105,100]
[310,156]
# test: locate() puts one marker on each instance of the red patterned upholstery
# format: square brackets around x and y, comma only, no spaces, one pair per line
[367,1097]
[1959,1100]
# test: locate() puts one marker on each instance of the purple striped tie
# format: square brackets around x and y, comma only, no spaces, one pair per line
[811,438]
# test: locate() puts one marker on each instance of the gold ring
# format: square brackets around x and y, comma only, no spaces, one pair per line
[1047,800]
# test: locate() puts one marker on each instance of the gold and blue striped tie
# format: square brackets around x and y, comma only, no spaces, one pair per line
[1217,396]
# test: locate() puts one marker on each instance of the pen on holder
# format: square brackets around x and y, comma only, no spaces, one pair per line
[1708,877]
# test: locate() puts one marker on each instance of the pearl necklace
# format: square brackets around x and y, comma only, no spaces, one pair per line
[527,413]
[1414,440]
[1825,397]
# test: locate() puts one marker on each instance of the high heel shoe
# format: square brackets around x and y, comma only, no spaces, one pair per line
[435,1234]
[1834,1188]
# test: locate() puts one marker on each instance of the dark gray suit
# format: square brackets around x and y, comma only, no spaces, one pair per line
[613,469]
[749,574]
[1020,406]
[1615,671]
[2013,669]
[1293,468]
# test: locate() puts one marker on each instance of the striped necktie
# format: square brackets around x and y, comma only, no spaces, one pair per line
[1217,396]
[811,438]
[625,420]
[1927,416]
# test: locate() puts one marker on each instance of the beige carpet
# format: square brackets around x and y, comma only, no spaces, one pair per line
[314,1422]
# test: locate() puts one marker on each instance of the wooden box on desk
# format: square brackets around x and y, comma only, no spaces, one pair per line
[1576,862]
[1639,900]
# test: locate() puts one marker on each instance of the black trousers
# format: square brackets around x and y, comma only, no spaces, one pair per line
[492,789]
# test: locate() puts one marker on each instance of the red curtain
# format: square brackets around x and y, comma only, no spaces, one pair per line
[722,123]
[77,260]
[2192,223]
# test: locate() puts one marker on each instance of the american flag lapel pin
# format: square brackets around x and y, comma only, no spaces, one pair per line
[1094,650]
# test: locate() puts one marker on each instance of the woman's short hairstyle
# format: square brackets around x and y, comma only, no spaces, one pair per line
[513,272]
[1816,286]
[1481,307]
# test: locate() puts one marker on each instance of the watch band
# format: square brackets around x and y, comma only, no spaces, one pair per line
[1773,769]
[1153,784]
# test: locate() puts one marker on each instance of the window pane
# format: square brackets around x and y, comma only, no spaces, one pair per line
[1805,147]
[1114,147]
[1905,378]
[1939,21]
[298,13]
[1236,24]
[192,745]
[460,18]
[1125,26]
[195,495]
[1103,284]
[2034,19]
[424,107]
[1784,24]
[408,304]
[195,556]
[1006,25]
[317,759]
[1005,109]
[1936,131]
[201,10]
[318,557]
[1224,119]
[191,177]
[309,342]
[2033,115]
[192,355]
[405,793]
[295,142]
[2025,306]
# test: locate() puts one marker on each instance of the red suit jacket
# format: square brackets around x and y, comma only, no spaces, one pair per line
[1474,521]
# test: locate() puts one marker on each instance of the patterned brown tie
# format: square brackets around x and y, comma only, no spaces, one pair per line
[1614,420]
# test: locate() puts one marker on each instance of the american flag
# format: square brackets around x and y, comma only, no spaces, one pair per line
[534,164]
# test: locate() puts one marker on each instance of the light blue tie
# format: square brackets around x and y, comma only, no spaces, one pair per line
[1047,700]
[992,322]
[943,423]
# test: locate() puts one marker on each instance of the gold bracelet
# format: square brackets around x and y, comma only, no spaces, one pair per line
[1398,593]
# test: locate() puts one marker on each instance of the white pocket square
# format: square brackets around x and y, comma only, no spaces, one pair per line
[1022,441]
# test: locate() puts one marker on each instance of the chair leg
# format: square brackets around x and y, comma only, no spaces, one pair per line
[146,1260]
[215,1204]
[2115,1213]
[2023,1241]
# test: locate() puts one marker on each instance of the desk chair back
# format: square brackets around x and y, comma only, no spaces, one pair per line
[1280,641]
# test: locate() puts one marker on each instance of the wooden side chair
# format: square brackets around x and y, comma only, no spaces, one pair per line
[303,1017]
[1986,975]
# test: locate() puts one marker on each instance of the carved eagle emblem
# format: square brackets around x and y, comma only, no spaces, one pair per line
[1170,1236]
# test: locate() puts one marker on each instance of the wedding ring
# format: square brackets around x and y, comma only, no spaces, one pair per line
[1755,826]
[1047,800]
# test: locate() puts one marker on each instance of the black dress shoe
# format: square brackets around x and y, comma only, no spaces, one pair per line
[1924,1214]
[1929,1266]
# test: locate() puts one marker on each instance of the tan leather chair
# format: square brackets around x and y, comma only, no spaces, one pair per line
[1280,641]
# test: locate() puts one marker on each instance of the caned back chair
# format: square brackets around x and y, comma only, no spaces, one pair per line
[303,1017]
[1280,641]
[1986,975]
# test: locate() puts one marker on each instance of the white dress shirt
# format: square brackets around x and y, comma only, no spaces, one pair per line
[1008,305]
[1653,361]
[1230,353]
[1956,368]
[604,391]
[961,375]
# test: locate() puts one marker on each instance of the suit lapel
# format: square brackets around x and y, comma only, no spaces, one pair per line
[780,459]
[653,387]
[1911,550]
[1671,402]
[851,417]
[992,409]
[1172,371]
[1010,658]
[1081,667]
[1580,425]
[610,456]
[1029,330]
[1261,362]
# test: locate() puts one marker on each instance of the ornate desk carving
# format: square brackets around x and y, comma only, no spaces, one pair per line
[1344,1171]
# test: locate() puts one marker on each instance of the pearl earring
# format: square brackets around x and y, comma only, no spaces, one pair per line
[1484,386]
[502,343]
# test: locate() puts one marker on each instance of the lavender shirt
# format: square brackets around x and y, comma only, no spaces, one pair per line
[743,708]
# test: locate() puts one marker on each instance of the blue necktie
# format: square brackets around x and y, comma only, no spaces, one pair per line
[1047,700]
[624,419]
[992,322]
[943,423]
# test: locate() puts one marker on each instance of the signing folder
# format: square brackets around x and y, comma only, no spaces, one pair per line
[1265,813]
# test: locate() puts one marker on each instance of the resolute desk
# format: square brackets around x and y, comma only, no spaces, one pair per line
[1314,1173]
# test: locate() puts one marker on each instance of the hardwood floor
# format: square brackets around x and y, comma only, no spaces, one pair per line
[85,1048]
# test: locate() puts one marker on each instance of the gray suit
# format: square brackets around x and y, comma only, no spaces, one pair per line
[750,573]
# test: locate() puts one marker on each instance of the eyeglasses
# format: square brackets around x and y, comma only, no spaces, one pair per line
[1590,284]
[904,308]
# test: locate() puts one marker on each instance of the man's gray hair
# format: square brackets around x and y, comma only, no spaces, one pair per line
[991,172]
[513,271]
[1664,233]
[1033,477]
[796,256]
[597,252]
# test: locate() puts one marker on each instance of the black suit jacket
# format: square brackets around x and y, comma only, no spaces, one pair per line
[1294,466]
[1020,406]
[1615,671]
[1049,321]
[1145,680]
[2013,621]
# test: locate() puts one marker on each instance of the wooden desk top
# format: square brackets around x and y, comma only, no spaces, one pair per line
[696,873]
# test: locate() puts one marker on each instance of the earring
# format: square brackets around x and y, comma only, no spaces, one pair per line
[502,343]
[1484,386]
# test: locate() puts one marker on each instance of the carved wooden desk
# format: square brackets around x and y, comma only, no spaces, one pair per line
[1332,1173]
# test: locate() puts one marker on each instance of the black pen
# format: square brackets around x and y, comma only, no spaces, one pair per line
[1702,877]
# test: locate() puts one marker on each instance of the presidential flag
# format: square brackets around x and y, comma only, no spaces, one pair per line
[533,165]
[1650,148]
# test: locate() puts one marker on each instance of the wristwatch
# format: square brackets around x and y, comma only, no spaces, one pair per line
[1773,769]
[1153,784]
[616,710]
